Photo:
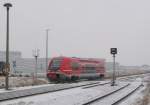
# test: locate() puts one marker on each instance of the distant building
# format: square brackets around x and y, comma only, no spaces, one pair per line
[23,65]
[109,67]
[13,55]
[27,65]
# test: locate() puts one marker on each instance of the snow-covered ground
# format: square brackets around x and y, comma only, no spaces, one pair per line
[80,95]
[52,84]
[131,100]
[22,81]
[118,95]
[23,88]
[76,96]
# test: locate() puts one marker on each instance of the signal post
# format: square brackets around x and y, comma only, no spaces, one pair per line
[113,51]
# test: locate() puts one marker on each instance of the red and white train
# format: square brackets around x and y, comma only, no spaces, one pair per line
[72,68]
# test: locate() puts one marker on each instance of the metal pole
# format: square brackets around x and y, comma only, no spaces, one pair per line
[7,5]
[113,78]
[36,67]
[47,50]
[7,50]
[36,55]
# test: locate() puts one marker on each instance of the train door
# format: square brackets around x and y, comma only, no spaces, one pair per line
[75,66]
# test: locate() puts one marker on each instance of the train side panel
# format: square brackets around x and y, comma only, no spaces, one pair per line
[65,68]
[93,69]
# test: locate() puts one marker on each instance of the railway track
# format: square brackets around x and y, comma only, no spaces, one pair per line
[114,97]
[124,97]
[101,97]
[13,94]
[89,85]
[94,85]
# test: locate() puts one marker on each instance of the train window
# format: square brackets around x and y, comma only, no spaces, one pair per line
[55,64]
[75,65]
[89,69]
[99,68]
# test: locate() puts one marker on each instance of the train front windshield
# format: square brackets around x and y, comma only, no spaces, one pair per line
[55,64]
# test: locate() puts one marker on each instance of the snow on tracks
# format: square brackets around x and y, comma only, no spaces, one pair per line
[29,91]
[116,97]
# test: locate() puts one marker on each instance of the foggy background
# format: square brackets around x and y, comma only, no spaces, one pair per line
[80,28]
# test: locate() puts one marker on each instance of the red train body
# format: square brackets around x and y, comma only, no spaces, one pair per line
[67,68]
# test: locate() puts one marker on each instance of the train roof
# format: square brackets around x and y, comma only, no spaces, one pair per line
[82,59]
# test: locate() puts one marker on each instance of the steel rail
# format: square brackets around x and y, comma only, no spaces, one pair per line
[101,97]
[95,85]
[39,90]
[120,100]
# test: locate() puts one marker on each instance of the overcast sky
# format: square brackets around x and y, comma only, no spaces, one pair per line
[80,28]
